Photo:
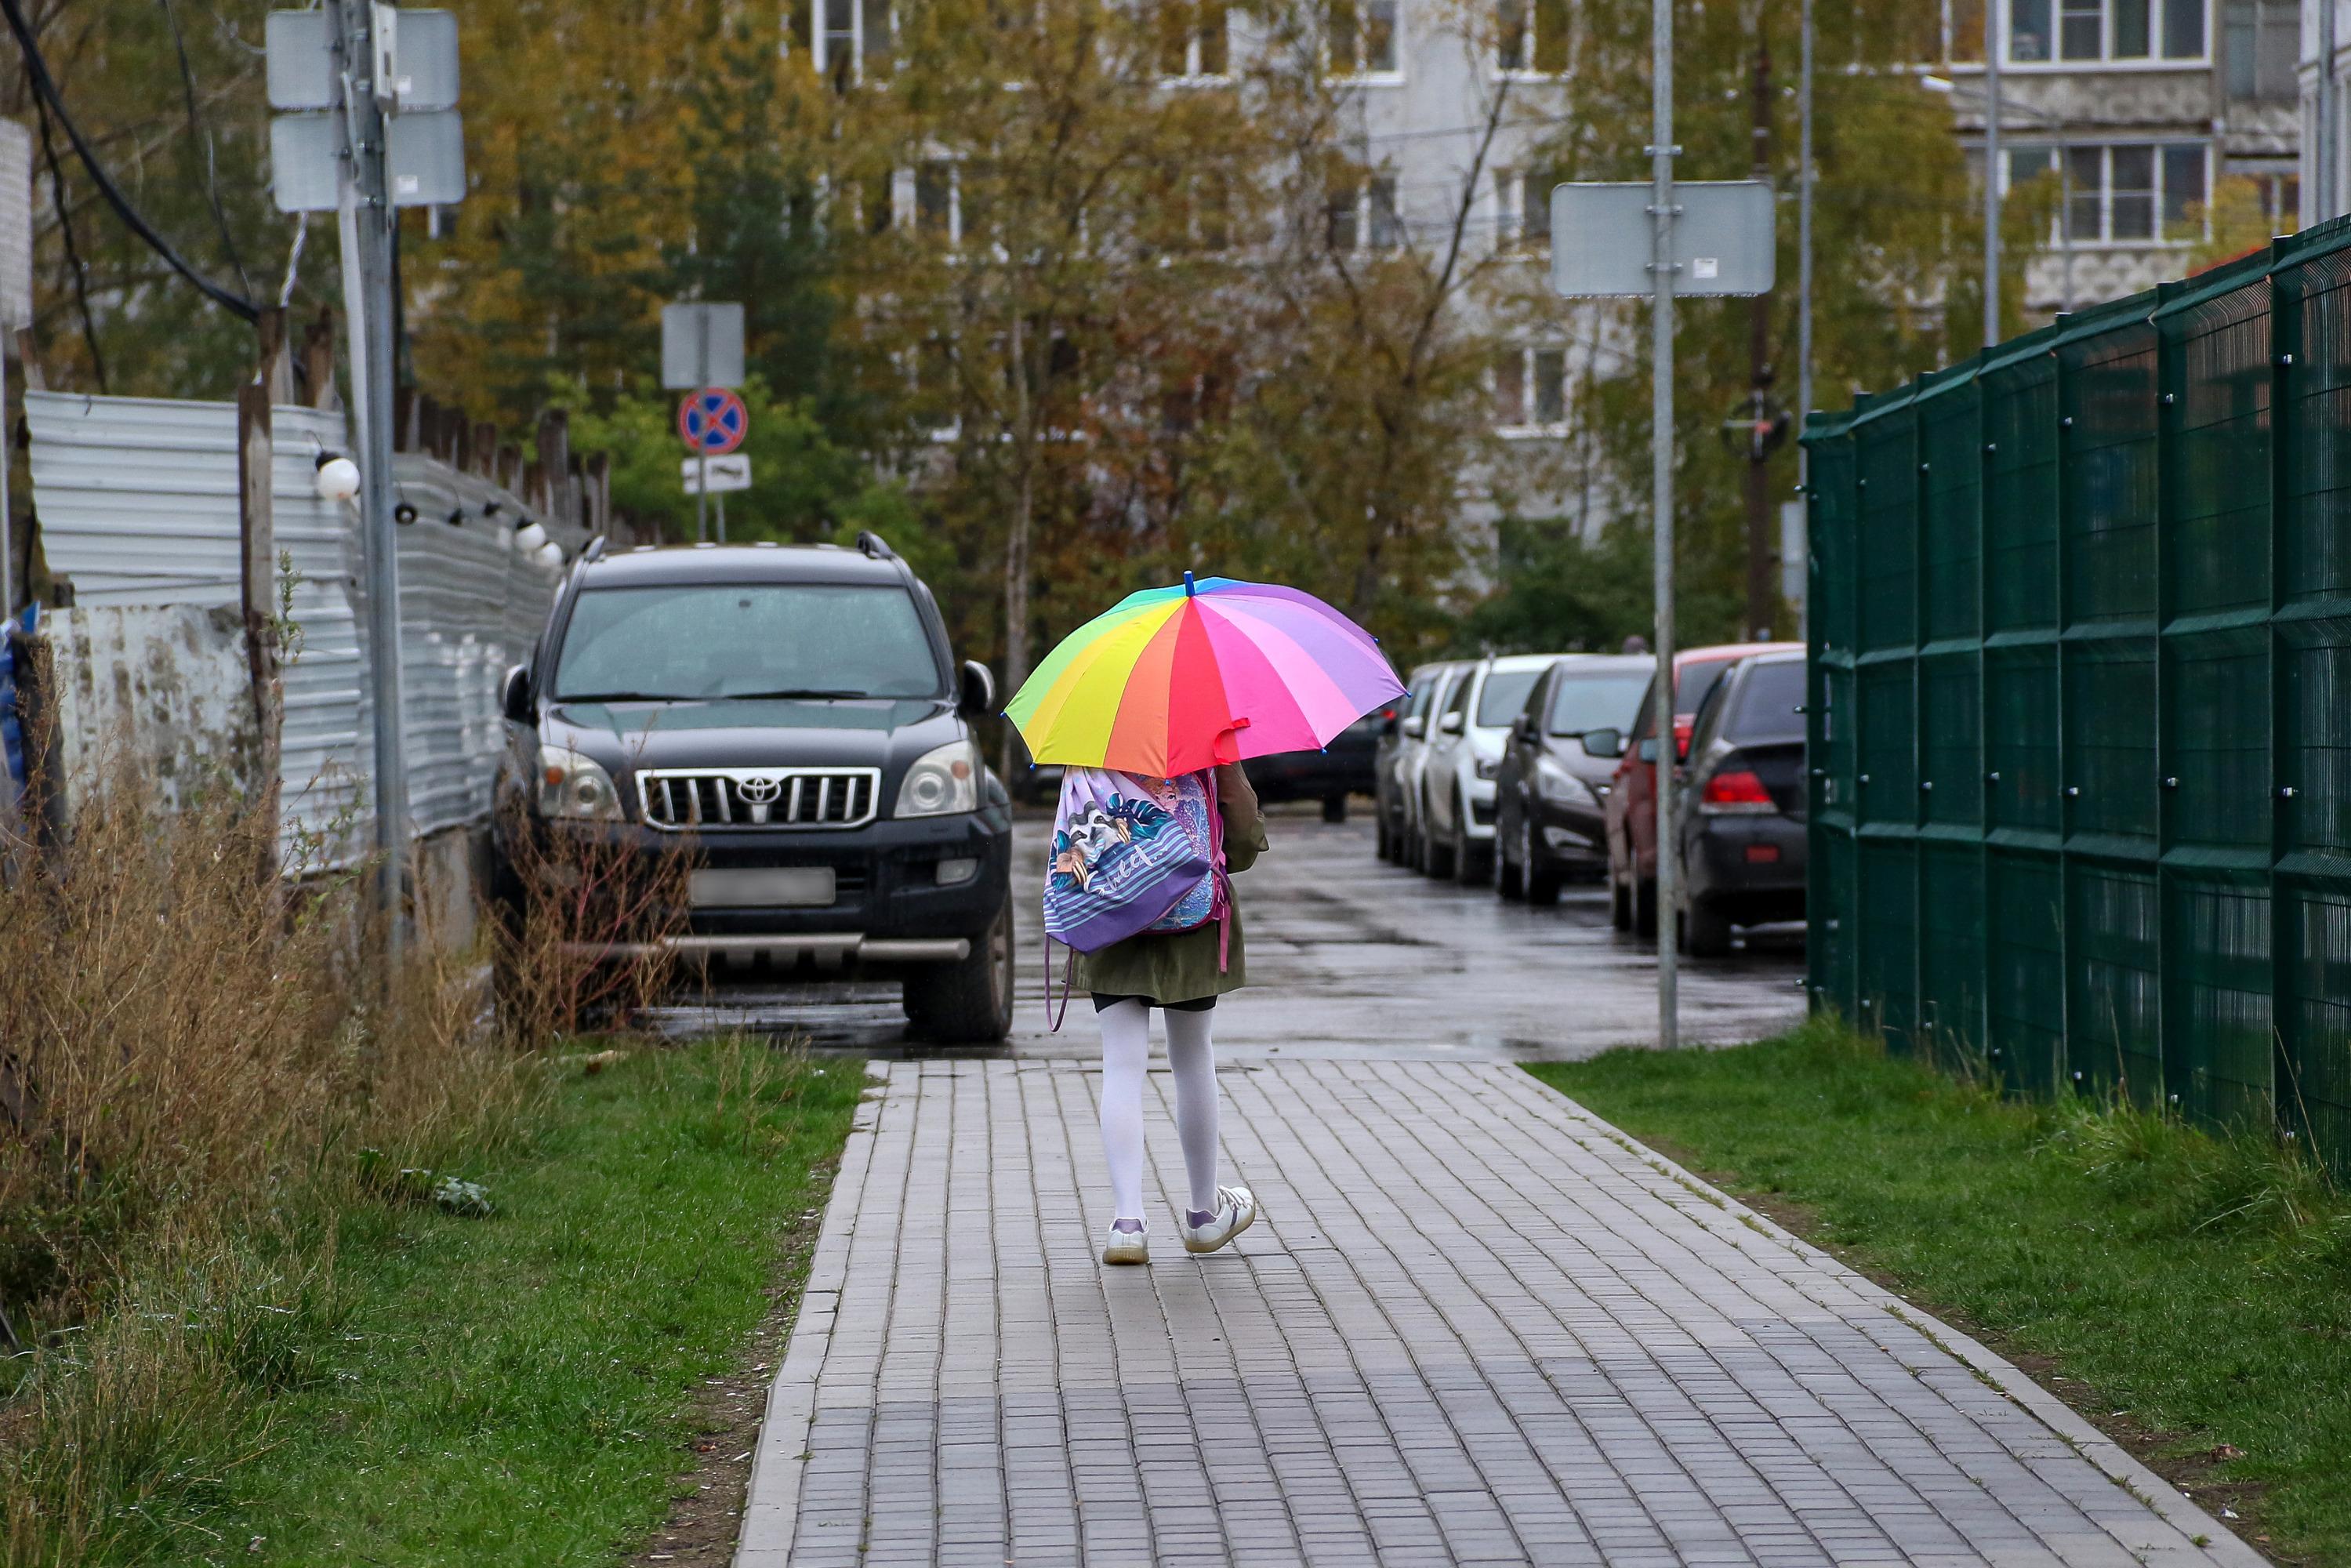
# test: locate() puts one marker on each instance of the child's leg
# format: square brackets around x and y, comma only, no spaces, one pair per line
[1126,1046]
[1194,1061]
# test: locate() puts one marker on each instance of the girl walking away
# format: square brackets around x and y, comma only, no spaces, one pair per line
[1150,708]
[1181,973]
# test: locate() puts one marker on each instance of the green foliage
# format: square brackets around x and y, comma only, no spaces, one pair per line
[1552,591]
[388,1382]
[2200,1287]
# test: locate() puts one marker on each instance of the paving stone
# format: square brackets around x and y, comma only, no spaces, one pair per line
[1474,1325]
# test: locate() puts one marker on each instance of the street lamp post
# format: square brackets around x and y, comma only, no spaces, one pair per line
[2056,126]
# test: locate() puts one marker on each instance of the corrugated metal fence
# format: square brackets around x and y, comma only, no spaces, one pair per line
[138,505]
[2081,704]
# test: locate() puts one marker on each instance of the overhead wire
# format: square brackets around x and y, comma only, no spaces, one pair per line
[75,264]
[203,133]
[45,90]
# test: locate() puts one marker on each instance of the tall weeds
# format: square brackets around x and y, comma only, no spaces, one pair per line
[193,1060]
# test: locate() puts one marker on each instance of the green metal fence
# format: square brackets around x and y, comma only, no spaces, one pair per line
[2081,702]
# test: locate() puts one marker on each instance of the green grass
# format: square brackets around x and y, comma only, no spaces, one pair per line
[2196,1291]
[517,1389]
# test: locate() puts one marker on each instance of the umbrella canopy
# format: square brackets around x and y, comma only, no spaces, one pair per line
[1172,680]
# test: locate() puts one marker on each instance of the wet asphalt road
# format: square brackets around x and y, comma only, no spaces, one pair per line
[1350,957]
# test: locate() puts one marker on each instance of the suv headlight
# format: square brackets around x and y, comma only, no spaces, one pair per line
[570,784]
[1560,788]
[942,782]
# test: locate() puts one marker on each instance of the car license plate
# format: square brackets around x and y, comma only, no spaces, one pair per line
[766,887]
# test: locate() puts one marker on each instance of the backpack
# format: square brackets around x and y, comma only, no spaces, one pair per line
[1132,857]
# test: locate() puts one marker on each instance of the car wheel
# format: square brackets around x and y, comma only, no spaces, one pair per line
[1541,882]
[1334,807]
[968,1002]
[1473,863]
[1508,874]
[1620,901]
[1644,908]
[1380,845]
[1437,857]
[1705,931]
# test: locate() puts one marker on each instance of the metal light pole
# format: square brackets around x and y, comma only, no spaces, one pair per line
[1991,173]
[2324,156]
[1804,247]
[1661,498]
[365,212]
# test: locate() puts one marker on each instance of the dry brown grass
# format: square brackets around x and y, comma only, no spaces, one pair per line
[574,893]
[193,1058]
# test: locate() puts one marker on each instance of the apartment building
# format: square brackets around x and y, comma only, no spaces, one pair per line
[2138,110]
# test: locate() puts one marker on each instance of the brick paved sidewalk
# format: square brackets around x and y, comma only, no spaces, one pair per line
[1476,1325]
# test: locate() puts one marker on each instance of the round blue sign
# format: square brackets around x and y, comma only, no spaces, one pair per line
[713,421]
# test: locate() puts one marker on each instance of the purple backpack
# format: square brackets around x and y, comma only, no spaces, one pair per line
[1133,856]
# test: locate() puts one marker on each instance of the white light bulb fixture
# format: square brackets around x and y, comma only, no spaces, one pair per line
[338,477]
[550,556]
[528,538]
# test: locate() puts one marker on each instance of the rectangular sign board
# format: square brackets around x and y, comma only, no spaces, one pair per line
[1602,244]
[702,345]
[731,472]
[299,67]
[424,161]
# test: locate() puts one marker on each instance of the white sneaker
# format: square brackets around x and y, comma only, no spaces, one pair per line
[1236,1212]
[1126,1247]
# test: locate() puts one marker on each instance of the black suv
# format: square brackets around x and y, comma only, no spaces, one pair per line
[793,716]
[1743,811]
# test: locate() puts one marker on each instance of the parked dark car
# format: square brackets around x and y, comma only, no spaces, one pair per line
[792,716]
[1742,832]
[1343,768]
[1632,797]
[1550,821]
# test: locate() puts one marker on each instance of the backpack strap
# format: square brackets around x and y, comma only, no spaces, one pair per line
[1069,983]
[1220,908]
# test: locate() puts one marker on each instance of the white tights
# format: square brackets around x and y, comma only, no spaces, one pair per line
[1126,1047]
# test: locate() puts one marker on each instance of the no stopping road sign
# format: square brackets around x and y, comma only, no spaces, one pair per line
[713,421]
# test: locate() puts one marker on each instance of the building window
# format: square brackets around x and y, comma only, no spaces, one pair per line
[1532,34]
[1363,38]
[852,43]
[950,208]
[1531,389]
[2260,40]
[1365,217]
[1193,41]
[1525,203]
[2133,194]
[2091,31]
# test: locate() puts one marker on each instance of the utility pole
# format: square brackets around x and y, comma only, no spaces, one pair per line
[1804,267]
[366,217]
[2323,157]
[1991,173]
[1760,586]
[1661,498]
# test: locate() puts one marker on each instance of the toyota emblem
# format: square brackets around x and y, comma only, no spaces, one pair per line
[758,790]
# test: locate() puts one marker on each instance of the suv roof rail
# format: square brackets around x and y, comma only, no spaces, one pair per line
[595,550]
[875,545]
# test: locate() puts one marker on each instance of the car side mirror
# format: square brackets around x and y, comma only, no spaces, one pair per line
[1603,742]
[1415,727]
[1649,749]
[1450,724]
[978,693]
[516,701]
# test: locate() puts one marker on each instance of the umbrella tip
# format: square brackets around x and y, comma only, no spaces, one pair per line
[1189,592]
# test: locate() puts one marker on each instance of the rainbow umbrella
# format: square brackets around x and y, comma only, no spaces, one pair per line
[1172,680]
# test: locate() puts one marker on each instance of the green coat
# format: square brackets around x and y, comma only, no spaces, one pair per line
[1181,967]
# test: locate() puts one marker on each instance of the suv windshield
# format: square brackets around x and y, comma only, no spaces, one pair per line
[1505,694]
[1769,703]
[693,641]
[1603,701]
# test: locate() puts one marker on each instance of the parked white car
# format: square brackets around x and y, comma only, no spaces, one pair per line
[1401,755]
[1465,751]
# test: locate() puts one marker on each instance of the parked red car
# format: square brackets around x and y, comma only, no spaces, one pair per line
[1632,815]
